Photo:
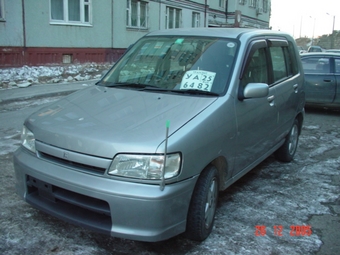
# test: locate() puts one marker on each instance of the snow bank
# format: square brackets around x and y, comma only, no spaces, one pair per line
[27,75]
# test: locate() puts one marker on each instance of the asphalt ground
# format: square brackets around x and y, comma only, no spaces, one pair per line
[272,199]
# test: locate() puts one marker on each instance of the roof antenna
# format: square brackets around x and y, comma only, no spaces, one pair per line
[162,185]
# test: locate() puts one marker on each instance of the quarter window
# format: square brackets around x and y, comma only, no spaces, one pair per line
[292,59]
[173,18]
[71,11]
[137,14]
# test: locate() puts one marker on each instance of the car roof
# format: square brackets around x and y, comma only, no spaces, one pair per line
[324,54]
[217,32]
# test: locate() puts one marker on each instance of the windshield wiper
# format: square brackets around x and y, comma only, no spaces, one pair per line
[127,85]
[139,86]
[196,92]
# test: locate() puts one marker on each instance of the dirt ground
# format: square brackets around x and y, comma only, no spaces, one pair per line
[262,213]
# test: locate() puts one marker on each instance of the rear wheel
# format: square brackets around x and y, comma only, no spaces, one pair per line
[203,205]
[287,151]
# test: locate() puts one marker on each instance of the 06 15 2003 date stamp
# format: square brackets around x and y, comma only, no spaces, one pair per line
[295,230]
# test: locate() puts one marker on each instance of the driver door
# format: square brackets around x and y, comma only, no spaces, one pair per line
[256,117]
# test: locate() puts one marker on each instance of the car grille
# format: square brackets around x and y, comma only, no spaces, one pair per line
[73,160]
[72,207]
[72,164]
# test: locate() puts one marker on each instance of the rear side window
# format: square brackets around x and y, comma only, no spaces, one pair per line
[316,65]
[283,59]
[279,64]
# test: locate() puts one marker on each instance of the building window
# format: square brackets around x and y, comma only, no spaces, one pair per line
[173,18]
[252,3]
[195,19]
[241,2]
[2,10]
[136,14]
[265,5]
[221,3]
[71,11]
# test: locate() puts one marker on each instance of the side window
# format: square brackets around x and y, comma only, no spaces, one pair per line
[257,69]
[337,65]
[279,63]
[315,65]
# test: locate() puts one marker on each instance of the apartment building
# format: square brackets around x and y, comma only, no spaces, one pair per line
[39,32]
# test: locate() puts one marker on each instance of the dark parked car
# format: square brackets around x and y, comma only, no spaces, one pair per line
[315,49]
[333,50]
[322,79]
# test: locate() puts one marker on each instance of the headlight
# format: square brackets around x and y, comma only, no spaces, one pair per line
[27,139]
[145,166]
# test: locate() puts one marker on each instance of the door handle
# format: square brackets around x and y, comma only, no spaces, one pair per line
[327,80]
[271,98]
[295,87]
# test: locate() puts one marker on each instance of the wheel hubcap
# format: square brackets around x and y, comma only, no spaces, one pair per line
[293,139]
[210,204]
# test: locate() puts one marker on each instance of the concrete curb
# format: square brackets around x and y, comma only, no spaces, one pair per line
[42,90]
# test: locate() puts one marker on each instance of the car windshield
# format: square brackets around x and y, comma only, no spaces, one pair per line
[176,64]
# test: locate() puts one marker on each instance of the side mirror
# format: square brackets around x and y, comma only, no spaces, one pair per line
[255,90]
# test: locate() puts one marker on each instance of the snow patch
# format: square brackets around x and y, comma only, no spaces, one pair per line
[28,75]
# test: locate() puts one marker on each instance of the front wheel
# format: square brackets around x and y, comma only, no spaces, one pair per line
[203,205]
[287,151]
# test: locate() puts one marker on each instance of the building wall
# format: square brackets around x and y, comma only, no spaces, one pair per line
[48,34]
[124,36]
[11,29]
[255,17]
[157,11]
[37,40]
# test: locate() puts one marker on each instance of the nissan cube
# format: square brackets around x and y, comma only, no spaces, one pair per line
[181,116]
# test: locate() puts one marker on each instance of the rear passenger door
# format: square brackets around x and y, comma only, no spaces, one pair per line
[284,78]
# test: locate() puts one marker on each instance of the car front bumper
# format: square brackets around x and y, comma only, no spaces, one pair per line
[121,209]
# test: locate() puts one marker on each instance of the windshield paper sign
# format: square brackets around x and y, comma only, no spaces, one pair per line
[198,79]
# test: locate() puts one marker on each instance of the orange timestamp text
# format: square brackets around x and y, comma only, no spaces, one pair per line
[295,230]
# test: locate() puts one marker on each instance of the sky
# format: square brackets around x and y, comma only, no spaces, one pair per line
[305,18]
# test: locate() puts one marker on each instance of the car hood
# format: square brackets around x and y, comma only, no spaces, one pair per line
[104,121]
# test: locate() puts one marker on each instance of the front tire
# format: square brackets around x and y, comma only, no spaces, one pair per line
[287,151]
[203,205]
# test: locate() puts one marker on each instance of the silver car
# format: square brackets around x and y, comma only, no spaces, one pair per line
[181,116]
